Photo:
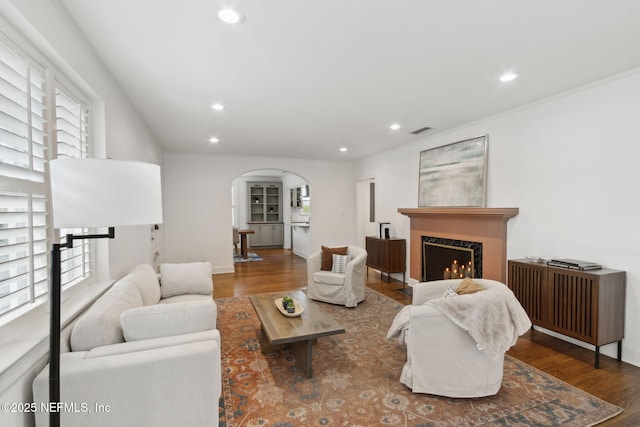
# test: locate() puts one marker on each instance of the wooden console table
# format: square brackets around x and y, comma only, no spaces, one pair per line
[586,305]
[387,255]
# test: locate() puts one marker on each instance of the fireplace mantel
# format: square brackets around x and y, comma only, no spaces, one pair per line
[485,225]
[497,213]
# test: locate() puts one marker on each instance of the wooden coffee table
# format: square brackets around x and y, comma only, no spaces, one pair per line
[298,333]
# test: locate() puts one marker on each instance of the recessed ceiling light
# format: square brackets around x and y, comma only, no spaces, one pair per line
[214,140]
[507,77]
[217,106]
[231,16]
[343,149]
[394,126]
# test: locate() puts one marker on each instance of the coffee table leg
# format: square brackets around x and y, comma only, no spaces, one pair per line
[266,347]
[301,351]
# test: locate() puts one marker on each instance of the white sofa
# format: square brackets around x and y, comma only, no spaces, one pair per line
[143,354]
[456,346]
[346,288]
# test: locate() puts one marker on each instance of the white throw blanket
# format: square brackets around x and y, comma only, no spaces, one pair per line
[493,317]
[400,325]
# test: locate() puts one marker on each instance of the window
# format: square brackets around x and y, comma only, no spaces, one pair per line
[39,119]
[234,221]
[72,118]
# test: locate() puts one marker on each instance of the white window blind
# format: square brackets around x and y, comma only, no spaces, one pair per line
[234,220]
[72,123]
[27,140]
[23,204]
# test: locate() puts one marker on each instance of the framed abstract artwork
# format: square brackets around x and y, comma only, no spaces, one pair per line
[454,174]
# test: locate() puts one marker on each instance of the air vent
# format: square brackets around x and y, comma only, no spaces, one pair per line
[418,131]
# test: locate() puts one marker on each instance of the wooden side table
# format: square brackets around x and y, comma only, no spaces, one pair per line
[244,248]
[387,255]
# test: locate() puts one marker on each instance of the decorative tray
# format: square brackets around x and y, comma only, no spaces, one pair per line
[298,312]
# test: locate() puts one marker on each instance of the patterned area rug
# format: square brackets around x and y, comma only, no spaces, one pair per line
[356,381]
[251,256]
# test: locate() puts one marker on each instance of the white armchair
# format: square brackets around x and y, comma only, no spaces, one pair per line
[346,288]
[449,352]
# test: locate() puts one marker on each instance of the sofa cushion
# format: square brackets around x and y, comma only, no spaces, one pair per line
[162,320]
[329,278]
[326,259]
[185,298]
[146,279]
[151,344]
[185,278]
[100,325]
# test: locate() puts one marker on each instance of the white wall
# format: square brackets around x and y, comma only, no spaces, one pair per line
[197,203]
[570,164]
[119,133]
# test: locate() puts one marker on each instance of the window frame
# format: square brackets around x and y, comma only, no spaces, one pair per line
[55,83]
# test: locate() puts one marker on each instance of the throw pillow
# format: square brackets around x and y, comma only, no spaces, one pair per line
[468,286]
[146,279]
[100,325]
[449,293]
[340,263]
[186,278]
[326,260]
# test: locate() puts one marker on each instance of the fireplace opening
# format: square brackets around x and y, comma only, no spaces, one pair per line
[449,258]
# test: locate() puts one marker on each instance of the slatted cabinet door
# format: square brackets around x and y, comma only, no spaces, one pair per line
[573,304]
[528,282]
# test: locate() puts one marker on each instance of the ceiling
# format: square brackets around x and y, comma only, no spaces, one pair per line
[302,78]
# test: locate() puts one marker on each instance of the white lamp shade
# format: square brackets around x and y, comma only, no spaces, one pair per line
[104,193]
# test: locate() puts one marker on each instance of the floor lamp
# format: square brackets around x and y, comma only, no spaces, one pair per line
[93,193]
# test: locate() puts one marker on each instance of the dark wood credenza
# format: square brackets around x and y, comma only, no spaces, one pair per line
[586,305]
[387,255]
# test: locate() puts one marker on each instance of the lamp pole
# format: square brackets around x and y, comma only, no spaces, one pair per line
[54,336]
[54,321]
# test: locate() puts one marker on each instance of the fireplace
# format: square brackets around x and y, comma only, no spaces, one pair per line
[450,258]
[487,226]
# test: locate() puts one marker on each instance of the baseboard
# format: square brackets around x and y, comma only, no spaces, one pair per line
[223,269]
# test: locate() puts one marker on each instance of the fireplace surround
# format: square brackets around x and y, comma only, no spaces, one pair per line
[487,226]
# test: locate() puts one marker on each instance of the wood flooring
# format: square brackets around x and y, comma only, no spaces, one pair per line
[616,382]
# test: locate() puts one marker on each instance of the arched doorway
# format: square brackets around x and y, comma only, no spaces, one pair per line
[276,205]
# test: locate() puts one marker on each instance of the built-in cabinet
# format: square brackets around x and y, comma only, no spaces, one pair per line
[586,305]
[264,213]
[267,234]
[265,202]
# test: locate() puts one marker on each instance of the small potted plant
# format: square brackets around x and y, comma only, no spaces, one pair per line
[291,308]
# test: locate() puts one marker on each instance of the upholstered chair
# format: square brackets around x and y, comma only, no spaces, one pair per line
[456,342]
[337,283]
